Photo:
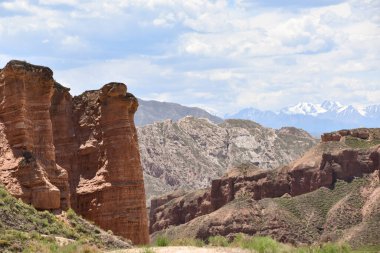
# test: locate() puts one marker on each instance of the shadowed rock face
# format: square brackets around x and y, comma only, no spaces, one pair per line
[57,151]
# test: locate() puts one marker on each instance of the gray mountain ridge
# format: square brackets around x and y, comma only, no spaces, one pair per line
[189,153]
[315,118]
[152,111]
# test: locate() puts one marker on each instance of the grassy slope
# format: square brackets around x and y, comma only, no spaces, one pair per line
[359,143]
[24,229]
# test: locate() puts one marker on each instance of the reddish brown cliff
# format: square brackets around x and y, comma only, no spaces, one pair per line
[111,189]
[320,167]
[27,159]
[362,133]
[57,151]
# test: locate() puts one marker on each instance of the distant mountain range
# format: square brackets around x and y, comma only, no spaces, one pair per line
[315,118]
[153,111]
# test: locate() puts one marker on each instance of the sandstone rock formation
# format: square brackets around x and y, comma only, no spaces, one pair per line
[320,167]
[190,153]
[347,213]
[27,158]
[57,151]
[361,133]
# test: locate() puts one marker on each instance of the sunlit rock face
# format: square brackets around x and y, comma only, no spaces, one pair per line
[57,151]
[27,160]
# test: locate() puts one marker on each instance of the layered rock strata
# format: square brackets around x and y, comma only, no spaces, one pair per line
[190,153]
[57,151]
[361,133]
[27,159]
[320,167]
[347,213]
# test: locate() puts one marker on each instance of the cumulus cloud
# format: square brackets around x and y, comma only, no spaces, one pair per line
[221,54]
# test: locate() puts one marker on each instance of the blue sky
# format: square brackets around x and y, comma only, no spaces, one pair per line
[221,55]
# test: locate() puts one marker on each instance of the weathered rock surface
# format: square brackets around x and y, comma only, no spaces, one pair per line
[58,152]
[27,159]
[348,213]
[190,153]
[361,133]
[320,167]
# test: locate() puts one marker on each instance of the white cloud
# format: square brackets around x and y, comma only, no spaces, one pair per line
[55,2]
[217,54]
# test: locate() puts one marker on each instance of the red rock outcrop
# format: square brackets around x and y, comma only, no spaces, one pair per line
[347,213]
[315,170]
[362,133]
[331,137]
[110,191]
[28,167]
[57,151]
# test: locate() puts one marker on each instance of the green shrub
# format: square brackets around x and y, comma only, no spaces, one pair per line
[71,214]
[261,244]
[326,248]
[162,241]
[147,250]
[334,248]
[187,242]
[219,241]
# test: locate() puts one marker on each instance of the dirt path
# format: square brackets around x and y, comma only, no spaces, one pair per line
[184,249]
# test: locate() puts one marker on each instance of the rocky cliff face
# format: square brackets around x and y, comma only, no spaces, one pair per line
[322,166]
[348,213]
[28,166]
[190,153]
[58,151]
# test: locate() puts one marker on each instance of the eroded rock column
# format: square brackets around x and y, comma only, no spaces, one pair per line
[25,94]
[113,194]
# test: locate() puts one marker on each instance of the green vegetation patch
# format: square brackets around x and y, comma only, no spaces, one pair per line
[24,229]
[17,215]
[354,142]
[162,241]
[323,199]
[18,241]
[218,241]
[258,244]
[187,242]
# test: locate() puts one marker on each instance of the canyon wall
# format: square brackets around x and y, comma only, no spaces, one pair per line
[57,151]
[320,167]
[27,159]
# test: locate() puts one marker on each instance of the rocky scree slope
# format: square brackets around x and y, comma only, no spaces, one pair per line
[331,193]
[190,153]
[57,151]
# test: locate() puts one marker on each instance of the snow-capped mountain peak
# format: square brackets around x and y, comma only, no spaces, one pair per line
[362,110]
[316,118]
[347,110]
[372,111]
[304,109]
[331,105]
